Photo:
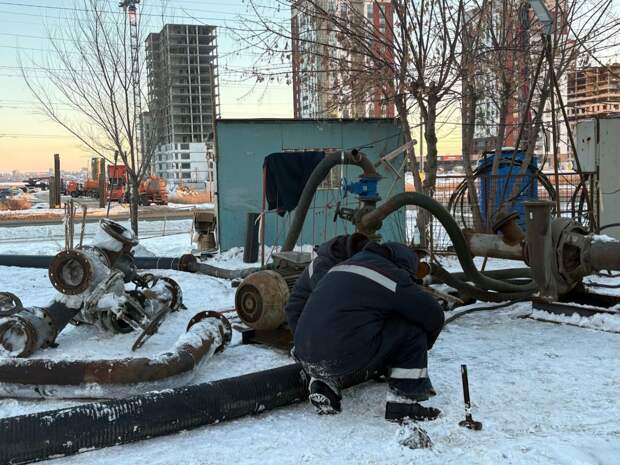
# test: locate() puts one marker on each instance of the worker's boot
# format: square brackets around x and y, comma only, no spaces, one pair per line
[399,407]
[325,396]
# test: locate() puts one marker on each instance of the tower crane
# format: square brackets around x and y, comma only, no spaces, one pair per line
[130,8]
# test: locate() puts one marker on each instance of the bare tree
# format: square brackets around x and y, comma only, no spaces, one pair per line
[405,55]
[87,87]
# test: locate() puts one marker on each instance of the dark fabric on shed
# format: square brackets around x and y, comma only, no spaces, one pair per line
[286,177]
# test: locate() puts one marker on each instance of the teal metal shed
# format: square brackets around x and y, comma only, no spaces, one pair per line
[242,145]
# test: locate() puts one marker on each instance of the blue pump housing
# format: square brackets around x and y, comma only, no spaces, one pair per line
[365,189]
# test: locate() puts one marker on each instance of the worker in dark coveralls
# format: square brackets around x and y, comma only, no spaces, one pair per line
[329,254]
[367,313]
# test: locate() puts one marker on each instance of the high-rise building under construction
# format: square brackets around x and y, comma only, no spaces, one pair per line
[183,100]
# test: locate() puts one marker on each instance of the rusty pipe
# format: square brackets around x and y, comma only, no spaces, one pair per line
[492,245]
[506,224]
[207,333]
[354,157]
[33,328]
[190,264]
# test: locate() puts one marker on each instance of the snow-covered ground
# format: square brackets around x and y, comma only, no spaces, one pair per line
[545,393]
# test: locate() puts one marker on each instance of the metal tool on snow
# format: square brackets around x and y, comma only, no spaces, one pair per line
[468,422]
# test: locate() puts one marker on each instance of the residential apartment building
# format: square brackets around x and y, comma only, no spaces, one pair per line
[518,53]
[593,91]
[183,98]
[321,89]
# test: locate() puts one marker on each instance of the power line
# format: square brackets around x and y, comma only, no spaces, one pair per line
[152,15]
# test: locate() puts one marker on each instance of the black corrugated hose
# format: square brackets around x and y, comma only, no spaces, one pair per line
[62,432]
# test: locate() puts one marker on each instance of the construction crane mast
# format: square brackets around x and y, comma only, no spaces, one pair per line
[130,8]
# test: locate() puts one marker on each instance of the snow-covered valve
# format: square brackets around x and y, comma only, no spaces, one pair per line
[74,272]
[33,328]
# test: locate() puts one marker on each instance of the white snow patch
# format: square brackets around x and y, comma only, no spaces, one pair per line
[104,241]
[603,238]
[600,321]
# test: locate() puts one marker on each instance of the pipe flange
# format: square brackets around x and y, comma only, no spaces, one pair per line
[70,272]
[512,233]
[9,304]
[226,326]
[503,221]
[186,261]
[119,232]
[18,338]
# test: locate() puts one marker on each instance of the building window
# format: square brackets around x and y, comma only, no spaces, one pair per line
[185,166]
[186,175]
[185,156]
[184,146]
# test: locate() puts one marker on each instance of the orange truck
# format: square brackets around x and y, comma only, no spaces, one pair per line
[153,190]
[117,182]
[74,188]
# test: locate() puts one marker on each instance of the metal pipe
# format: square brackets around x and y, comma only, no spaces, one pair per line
[189,263]
[33,328]
[371,221]
[492,245]
[207,333]
[539,243]
[605,255]
[354,157]
[184,263]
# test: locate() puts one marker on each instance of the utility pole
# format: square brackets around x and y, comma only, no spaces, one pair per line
[55,186]
[102,192]
[130,7]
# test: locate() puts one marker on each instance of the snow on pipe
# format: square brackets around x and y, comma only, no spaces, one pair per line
[207,333]
[32,328]
[69,431]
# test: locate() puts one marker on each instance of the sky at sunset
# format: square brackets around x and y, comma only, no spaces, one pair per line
[28,139]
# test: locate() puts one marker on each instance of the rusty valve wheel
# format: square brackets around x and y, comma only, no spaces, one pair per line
[151,328]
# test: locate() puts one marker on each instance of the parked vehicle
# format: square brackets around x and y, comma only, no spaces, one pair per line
[74,189]
[153,190]
[117,182]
